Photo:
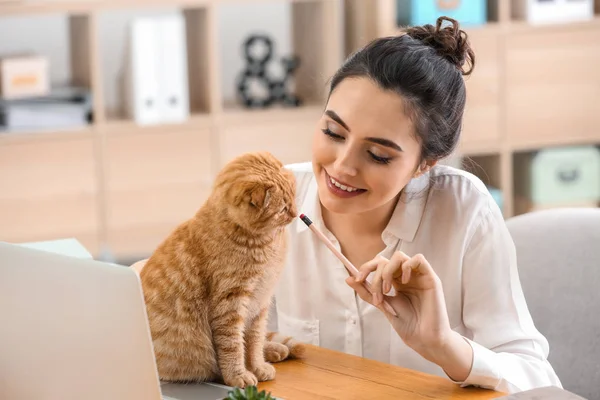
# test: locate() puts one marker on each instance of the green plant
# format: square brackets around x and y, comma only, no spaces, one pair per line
[250,393]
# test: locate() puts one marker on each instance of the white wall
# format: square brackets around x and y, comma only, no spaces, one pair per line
[48,35]
[45,35]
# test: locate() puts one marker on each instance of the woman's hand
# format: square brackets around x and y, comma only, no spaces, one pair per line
[422,320]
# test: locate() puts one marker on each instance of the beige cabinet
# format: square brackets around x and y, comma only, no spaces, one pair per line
[48,190]
[154,181]
[287,134]
[553,89]
[482,111]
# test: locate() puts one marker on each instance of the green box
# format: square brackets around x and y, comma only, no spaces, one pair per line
[563,175]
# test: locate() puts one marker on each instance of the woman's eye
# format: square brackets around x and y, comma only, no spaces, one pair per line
[379,159]
[332,136]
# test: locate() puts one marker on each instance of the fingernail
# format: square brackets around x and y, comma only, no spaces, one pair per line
[405,278]
[387,287]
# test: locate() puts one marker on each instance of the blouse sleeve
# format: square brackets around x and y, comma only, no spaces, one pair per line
[509,353]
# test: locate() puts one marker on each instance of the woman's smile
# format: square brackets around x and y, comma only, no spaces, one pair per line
[341,189]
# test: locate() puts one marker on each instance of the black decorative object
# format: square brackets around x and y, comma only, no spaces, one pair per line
[255,75]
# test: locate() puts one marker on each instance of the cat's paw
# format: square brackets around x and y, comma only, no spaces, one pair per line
[264,372]
[297,349]
[242,380]
[275,352]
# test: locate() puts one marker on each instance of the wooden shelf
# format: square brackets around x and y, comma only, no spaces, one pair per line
[525,27]
[131,127]
[501,27]
[74,7]
[49,188]
[233,115]
[526,144]
[486,167]
[475,148]
[512,27]
[11,137]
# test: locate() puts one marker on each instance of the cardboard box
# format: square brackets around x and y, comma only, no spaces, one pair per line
[23,76]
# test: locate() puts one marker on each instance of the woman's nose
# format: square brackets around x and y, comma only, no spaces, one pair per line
[346,163]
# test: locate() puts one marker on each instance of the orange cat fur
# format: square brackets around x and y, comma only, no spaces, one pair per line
[209,285]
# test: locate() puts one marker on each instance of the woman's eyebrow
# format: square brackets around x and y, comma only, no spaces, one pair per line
[384,142]
[337,119]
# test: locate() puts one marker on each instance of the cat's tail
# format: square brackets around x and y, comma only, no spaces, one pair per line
[280,347]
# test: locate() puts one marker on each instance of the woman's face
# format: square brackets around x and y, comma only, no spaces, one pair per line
[365,149]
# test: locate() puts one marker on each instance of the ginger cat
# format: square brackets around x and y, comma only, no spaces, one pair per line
[208,286]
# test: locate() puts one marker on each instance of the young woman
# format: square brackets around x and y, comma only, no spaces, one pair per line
[430,237]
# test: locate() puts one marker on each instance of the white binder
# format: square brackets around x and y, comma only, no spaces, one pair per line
[142,72]
[156,77]
[173,97]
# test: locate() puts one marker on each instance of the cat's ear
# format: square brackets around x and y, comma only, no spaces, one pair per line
[260,196]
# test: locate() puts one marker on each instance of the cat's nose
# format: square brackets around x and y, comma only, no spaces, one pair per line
[290,216]
[293,212]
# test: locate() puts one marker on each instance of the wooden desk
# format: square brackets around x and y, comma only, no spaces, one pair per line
[326,374]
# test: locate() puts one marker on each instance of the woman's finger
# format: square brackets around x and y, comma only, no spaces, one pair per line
[376,284]
[358,287]
[393,269]
[367,268]
[406,272]
[416,264]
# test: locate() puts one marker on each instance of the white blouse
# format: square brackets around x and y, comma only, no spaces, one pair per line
[449,216]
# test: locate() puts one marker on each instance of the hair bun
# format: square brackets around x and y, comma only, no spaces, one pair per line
[450,42]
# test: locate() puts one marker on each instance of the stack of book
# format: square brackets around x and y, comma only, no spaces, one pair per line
[64,107]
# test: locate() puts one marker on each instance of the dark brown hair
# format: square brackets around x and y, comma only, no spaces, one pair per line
[425,65]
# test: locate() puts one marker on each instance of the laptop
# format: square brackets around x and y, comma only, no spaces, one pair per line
[75,328]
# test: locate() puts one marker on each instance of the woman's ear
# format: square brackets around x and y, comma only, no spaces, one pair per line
[424,167]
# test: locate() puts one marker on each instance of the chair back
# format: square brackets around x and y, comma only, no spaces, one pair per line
[558,253]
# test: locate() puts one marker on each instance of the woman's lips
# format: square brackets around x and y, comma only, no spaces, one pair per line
[339,191]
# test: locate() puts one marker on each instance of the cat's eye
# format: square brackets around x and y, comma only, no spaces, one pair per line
[284,210]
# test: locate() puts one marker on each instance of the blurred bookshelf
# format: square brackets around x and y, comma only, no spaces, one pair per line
[121,187]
